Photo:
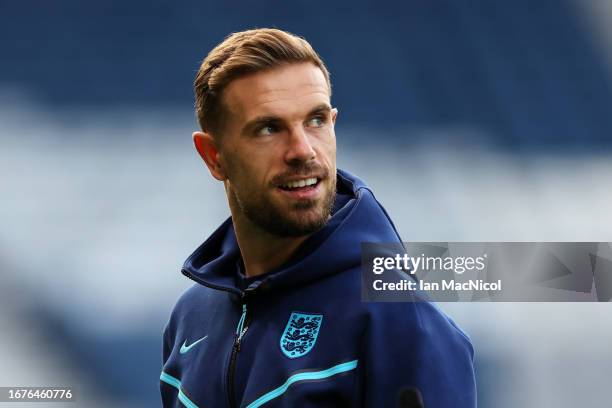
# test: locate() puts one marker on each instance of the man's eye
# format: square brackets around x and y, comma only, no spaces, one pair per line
[316,121]
[266,130]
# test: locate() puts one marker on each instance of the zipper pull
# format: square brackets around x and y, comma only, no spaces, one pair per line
[240,330]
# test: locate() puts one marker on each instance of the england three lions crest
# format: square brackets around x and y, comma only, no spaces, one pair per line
[300,334]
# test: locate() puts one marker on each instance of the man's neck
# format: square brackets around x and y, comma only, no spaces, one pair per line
[261,251]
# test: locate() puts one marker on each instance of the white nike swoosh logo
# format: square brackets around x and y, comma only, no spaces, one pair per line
[185,348]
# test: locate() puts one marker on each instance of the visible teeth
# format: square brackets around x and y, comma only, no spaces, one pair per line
[301,183]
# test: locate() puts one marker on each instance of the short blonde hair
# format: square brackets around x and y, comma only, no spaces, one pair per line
[241,54]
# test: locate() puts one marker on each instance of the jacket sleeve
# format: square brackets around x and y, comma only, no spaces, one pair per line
[166,346]
[414,346]
[168,393]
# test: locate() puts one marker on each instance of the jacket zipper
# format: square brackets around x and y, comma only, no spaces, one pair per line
[243,326]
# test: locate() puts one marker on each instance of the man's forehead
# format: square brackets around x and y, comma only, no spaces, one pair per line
[287,88]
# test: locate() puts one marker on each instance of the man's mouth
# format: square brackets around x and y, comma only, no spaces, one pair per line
[307,188]
[302,184]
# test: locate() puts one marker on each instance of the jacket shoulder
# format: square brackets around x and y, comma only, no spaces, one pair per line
[421,318]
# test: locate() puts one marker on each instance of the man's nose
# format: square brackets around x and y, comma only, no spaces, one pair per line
[299,146]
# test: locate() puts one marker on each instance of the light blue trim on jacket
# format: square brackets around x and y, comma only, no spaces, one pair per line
[170,380]
[311,375]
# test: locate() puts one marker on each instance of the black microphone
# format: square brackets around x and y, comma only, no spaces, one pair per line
[410,398]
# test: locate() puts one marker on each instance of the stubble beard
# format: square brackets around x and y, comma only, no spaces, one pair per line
[303,217]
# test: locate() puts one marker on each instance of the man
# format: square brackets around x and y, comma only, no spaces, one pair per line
[276,317]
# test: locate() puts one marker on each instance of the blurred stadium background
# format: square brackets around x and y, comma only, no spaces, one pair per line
[472,121]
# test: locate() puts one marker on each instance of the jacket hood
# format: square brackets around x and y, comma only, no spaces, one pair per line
[357,218]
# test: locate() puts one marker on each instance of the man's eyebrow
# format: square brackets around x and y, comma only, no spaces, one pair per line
[322,108]
[259,120]
[267,119]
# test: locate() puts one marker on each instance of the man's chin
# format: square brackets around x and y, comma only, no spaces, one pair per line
[304,222]
[297,223]
[299,230]
[291,218]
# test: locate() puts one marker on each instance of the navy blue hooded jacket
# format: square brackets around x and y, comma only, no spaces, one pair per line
[300,336]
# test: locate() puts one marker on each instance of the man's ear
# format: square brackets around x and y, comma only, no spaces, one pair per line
[207,148]
[334,113]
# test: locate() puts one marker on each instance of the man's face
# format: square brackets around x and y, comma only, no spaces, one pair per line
[278,149]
